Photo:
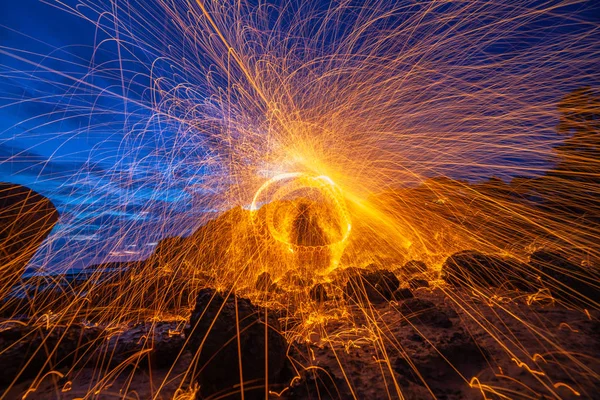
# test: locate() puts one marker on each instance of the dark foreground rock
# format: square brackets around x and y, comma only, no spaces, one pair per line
[27,351]
[403,294]
[292,278]
[566,279]
[418,283]
[425,312]
[264,282]
[472,268]
[318,384]
[497,345]
[223,330]
[375,287]
[26,219]
[414,267]
[443,368]
[158,345]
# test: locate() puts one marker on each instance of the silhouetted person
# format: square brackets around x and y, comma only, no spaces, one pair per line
[306,230]
[312,253]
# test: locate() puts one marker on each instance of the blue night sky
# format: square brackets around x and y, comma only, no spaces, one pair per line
[64,134]
[70,130]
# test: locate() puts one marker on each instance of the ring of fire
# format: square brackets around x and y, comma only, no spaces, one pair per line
[284,186]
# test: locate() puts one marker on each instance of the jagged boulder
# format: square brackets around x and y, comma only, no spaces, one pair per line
[403,294]
[169,252]
[472,268]
[414,267]
[143,344]
[418,283]
[295,279]
[371,286]
[443,367]
[264,282]
[26,219]
[566,279]
[425,312]
[29,351]
[225,330]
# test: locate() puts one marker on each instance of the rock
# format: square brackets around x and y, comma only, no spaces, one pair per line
[415,337]
[264,282]
[213,333]
[403,294]
[414,267]
[416,305]
[565,279]
[425,312]
[375,287]
[343,275]
[155,342]
[418,283]
[441,366]
[318,384]
[29,351]
[472,268]
[293,278]
[169,251]
[24,305]
[166,351]
[318,293]
[26,219]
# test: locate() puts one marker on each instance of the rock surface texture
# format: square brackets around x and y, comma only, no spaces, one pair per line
[472,268]
[224,329]
[26,219]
